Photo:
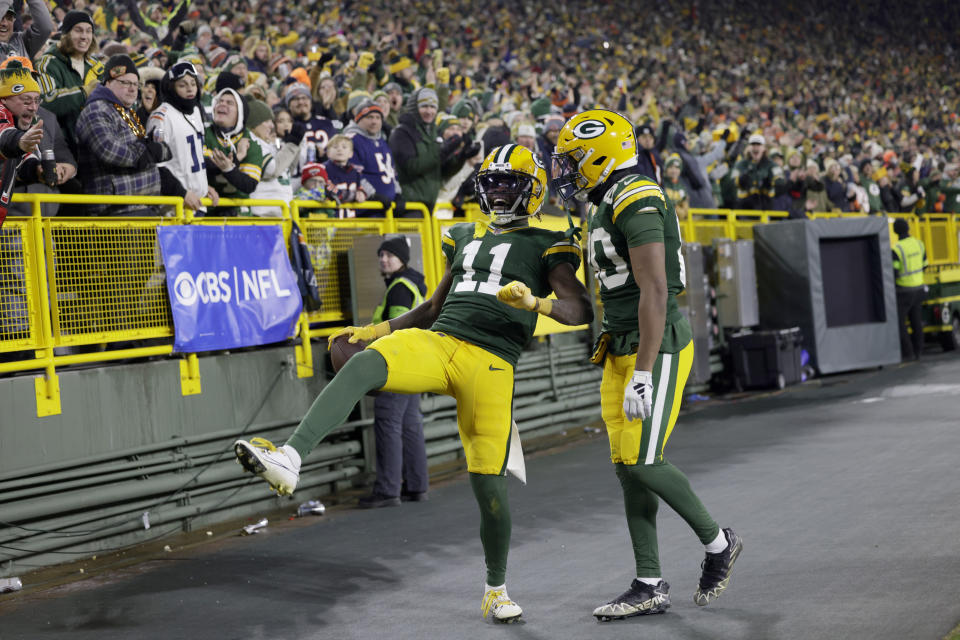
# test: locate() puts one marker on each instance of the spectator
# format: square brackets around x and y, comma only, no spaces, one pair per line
[874,202]
[236,161]
[346,183]
[422,162]
[546,142]
[115,156]
[280,154]
[398,424]
[383,101]
[30,174]
[150,99]
[791,193]
[27,43]
[449,127]
[756,176]
[313,184]
[835,186]
[19,100]
[527,137]
[694,176]
[674,188]
[257,53]
[912,194]
[318,129]
[648,158]
[889,199]
[817,200]
[65,89]
[371,153]
[324,102]
[395,96]
[178,123]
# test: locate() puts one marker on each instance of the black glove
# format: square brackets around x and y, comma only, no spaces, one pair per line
[725,135]
[471,151]
[158,151]
[450,146]
[325,57]
[296,133]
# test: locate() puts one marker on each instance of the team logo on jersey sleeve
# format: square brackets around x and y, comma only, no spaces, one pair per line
[589,129]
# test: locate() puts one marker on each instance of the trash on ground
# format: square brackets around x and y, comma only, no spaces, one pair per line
[251,529]
[10,584]
[311,508]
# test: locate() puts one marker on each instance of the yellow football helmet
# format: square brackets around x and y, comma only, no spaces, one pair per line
[511,184]
[592,145]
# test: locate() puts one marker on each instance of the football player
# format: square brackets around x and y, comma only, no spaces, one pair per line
[463,342]
[645,349]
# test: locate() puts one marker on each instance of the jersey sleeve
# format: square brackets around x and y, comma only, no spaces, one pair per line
[448,245]
[639,209]
[562,250]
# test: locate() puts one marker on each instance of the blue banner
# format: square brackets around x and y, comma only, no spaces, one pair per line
[229,286]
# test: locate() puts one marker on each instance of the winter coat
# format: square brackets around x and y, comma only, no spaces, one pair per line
[113,159]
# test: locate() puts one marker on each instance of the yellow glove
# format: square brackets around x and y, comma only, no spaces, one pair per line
[367,333]
[518,295]
[443,75]
[365,60]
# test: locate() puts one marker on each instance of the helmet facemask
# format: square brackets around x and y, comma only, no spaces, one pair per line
[505,194]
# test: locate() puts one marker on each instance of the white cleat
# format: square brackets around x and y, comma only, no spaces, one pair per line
[262,458]
[497,605]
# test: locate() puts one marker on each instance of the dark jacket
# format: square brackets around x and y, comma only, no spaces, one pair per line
[62,89]
[28,180]
[422,164]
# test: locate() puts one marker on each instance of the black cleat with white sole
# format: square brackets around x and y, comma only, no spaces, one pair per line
[640,599]
[717,568]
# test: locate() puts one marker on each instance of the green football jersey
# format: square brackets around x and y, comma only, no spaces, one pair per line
[482,259]
[634,212]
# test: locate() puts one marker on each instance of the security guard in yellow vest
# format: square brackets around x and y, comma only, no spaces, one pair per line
[398,424]
[909,259]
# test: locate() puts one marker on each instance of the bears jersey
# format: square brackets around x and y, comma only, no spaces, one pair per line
[344,182]
[634,212]
[376,163]
[184,135]
[483,258]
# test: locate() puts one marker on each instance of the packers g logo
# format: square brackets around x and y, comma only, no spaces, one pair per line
[537,161]
[17,88]
[589,129]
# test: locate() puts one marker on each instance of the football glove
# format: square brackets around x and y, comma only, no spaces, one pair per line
[518,295]
[367,333]
[638,396]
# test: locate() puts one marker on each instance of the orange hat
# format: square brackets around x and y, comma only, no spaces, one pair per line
[888,157]
[302,76]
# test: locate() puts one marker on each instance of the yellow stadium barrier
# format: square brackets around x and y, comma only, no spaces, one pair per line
[71,285]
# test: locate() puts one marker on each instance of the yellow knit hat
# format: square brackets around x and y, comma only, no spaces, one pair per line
[15,79]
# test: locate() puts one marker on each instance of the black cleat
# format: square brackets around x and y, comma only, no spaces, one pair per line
[640,599]
[716,570]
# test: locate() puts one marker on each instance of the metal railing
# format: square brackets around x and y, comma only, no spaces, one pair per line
[69,283]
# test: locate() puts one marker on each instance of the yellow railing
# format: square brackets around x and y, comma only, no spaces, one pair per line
[69,285]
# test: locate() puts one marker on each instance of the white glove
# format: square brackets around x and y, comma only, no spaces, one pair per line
[638,397]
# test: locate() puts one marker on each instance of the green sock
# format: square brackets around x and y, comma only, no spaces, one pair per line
[641,506]
[491,494]
[362,373]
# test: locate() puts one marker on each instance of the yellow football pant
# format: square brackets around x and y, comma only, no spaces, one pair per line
[643,441]
[421,361]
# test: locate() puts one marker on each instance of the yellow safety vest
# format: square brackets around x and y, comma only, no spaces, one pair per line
[909,262]
[393,312]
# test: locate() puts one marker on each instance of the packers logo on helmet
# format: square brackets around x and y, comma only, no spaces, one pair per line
[590,147]
[589,129]
[511,184]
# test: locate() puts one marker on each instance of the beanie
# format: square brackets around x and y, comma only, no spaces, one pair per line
[16,79]
[392,86]
[900,227]
[313,170]
[355,98]
[227,80]
[365,108]
[259,113]
[398,246]
[73,18]
[118,66]
[427,97]
[294,90]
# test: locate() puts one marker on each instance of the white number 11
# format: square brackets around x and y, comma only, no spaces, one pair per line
[492,283]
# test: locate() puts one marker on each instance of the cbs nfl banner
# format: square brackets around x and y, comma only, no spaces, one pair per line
[229,286]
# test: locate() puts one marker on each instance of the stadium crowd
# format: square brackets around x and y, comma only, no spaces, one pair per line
[799,106]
